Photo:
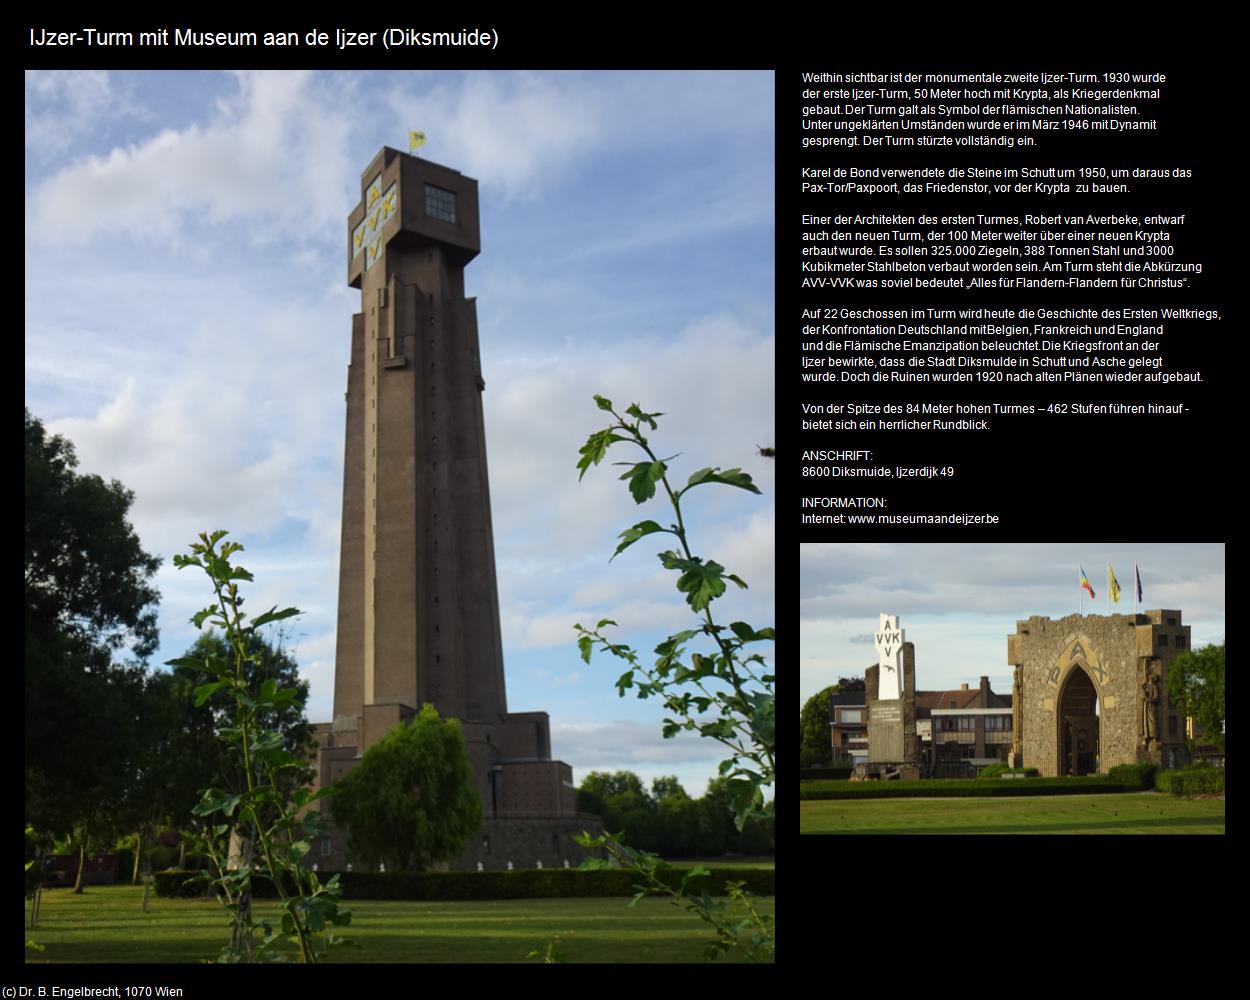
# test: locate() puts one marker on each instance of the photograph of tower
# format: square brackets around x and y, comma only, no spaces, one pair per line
[187,232]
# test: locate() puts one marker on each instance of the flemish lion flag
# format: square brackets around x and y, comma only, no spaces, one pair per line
[1086,584]
[415,140]
[1114,584]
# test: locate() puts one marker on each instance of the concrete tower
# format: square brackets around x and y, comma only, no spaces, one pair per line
[418,614]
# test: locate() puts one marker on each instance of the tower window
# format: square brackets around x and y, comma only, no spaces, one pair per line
[440,204]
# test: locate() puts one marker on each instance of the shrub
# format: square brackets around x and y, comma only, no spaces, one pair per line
[994,770]
[1191,781]
[1138,776]
[813,758]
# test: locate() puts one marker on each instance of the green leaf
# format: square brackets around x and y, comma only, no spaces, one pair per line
[736,579]
[637,896]
[269,740]
[216,800]
[595,448]
[206,691]
[626,680]
[673,644]
[671,728]
[199,617]
[603,622]
[586,645]
[701,582]
[764,717]
[730,477]
[274,615]
[639,530]
[603,404]
[635,410]
[642,479]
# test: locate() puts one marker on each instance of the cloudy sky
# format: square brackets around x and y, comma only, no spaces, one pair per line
[958,603]
[188,323]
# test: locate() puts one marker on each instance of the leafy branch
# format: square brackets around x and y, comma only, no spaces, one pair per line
[726,695]
[261,813]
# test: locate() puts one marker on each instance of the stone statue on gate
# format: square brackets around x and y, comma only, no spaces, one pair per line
[1150,708]
[1017,712]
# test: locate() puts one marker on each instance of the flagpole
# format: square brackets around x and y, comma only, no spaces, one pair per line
[1081,590]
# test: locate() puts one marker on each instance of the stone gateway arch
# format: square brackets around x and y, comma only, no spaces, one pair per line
[1091,692]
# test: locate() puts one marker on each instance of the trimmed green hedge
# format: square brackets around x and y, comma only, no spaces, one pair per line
[998,770]
[528,883]
[1138,776]
[825,773]
[1191,781]
[962,787]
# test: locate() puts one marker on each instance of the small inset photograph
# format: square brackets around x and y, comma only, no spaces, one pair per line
[1012,688]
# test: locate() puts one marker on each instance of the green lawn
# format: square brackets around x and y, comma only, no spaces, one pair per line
[105,924]
[1132,812]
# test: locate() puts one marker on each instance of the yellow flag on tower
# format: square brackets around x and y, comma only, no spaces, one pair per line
[415,140]
[1113,584]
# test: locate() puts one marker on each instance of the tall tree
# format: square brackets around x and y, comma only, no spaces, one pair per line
[624,804]
[88,597]
[814,728]
[411,802]
[677,818]
[1196,686]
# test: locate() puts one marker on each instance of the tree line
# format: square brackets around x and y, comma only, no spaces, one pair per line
[667,821]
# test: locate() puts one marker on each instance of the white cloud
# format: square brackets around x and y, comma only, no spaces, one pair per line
[624,745]
[515,130]
[276,158]
[63,106]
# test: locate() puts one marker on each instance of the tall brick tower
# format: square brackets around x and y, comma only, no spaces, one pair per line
[418,614]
